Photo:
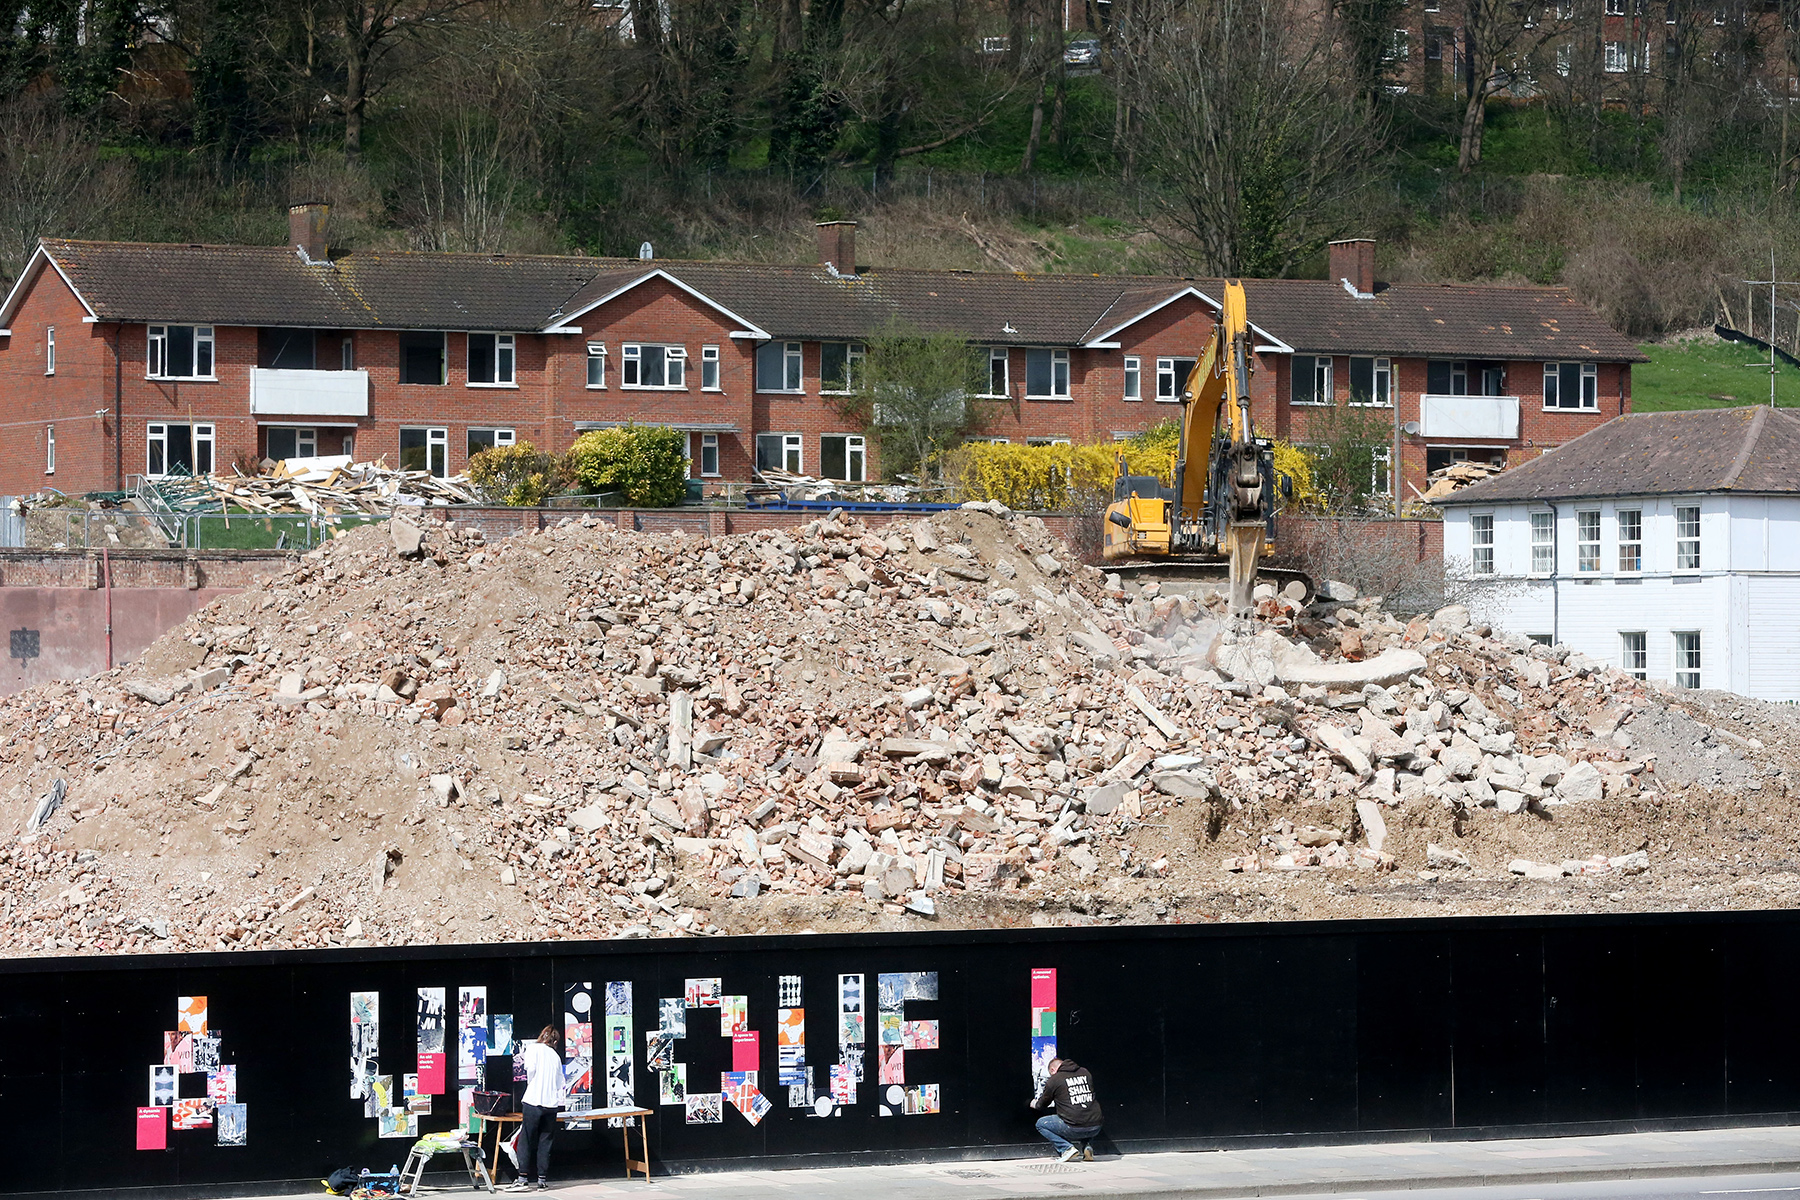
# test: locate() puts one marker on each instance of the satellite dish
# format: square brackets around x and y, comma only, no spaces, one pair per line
[1411,427]
[646,252]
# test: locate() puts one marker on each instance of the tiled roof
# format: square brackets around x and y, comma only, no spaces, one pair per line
[272,285]
[1749,450]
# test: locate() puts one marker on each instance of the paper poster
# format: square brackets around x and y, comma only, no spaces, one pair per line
[1043,1026]
[893,1064]
[703,993]
[233,1124]
[705,1108]
[417,1103]
[853,1035]
[891,1032]
[206,1051]
[843,1084]
[432,1081]
[659,1050]
[162,1085]
[746,1049]
[221,1084]
[618,999]
[671,1017]
[578,1050]
[380,1097]
[472,1034]
[503,1036]
[788,992]
[192,1114]
[190,1014]
[1043,987]
[153,1127]
[896,1035]
[919,1035]
[734,1015]
[740,1091]
[178,1052]
[395,1123]
[673,1084]
[916,1101]
[365,1038]
[465,1108]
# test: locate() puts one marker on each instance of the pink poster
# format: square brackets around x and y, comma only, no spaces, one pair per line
[153,1128]
[746,1050]
[431,1073]
[1043,987]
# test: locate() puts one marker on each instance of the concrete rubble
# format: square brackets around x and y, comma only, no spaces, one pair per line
[416,735]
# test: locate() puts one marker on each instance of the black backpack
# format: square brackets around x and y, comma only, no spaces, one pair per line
[343,1180]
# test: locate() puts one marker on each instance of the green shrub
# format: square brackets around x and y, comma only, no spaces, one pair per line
[520,475]
[647,463]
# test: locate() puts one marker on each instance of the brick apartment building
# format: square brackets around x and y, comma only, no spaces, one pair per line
[122,359]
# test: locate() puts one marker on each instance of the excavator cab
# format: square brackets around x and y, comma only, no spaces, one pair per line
[1140,520]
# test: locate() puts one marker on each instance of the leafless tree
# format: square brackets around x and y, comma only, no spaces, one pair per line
[1256,131]
[53,181]
[1499,37]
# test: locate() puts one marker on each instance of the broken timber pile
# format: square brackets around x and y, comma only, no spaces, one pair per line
[1455,477]
[333,486]
[414,735]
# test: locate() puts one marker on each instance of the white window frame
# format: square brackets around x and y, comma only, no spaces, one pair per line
[1381,393]
[709,445]
[854,354]
[999,357]
[1481,543]
[1059,374]
[793,449]
[303,436]
[1685,651]
[856,449]
[1687,547]
[437,439]
[49,351]
[1134,378]
[204,433]
[1587,548]
[50,449]
[506,360]
[1616,59]
[596,366]
[156,356]
[1165,374]
[631,355]
[1590,388]
[1634,653]
[709,371]
[1543,550]
[792,368]
[1319,367]
[503,437]
[1632,544]
[347,353]
[1381,461]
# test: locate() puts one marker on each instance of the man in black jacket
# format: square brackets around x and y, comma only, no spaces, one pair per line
[1077,1117]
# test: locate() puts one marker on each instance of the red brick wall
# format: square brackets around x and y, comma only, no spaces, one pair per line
[31,401]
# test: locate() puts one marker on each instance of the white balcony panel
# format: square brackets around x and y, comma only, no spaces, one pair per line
[309,393]
[1493,417]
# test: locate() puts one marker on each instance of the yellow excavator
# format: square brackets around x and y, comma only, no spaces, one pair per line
[1222,506]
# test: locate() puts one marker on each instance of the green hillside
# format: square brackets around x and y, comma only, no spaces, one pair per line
[1707,373]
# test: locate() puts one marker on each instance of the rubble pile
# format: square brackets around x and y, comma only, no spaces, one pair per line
[329,486]
[415,735]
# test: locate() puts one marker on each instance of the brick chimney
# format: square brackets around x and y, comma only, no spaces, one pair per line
[837,246]
[306,229]
[1354,259]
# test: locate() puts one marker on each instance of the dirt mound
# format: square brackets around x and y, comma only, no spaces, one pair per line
[416,736]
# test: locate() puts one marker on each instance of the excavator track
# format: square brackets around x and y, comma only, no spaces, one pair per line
[1182,571]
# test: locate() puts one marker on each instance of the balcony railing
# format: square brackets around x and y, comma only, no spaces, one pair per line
[309,393]
[1493,417]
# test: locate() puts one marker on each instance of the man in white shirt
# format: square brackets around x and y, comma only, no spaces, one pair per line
[543,1097]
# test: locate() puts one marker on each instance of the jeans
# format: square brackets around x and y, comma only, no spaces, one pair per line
[535,1133]
[1061,1134]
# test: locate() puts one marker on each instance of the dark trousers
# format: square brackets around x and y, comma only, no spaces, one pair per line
[535,1133]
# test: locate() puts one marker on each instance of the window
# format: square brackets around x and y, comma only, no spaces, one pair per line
[1615,8]
[1543,543]
[842,456]
[1371,381]
[178,449]
[425,450]
[49,449]
[1171,378]
[1446,378]
[778,367]
[1134,377]
[1481,534]
[491,360]
[645,365]
[778,452]
[709,452]
[1571,385]
[1048,441]
[1617,60]
[1542,639]
[709,371]
[596,364]
[1312,379]
[422,359]
[50,350]
[284,442]
[839,365]
[180,352]
[1399,45]
[999,371]
[1634,654]
[1565,53]
[1587,541]
[1631,541]
[1687,659]
[488,439]
[280,349]
[1046,374]
[1687,537]
[347,353]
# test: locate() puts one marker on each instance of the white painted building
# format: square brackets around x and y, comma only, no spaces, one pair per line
[1667,544]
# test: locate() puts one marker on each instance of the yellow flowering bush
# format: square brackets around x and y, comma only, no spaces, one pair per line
[1057,478]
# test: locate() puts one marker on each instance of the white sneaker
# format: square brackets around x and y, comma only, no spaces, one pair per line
[1071,1154]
